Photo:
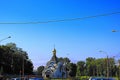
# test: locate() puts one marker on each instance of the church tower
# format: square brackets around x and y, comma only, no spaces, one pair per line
[54,57]
[54,52]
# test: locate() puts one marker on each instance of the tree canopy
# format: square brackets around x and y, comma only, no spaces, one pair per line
[14,60]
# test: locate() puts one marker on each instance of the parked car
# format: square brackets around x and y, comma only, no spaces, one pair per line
[100,78]
[19,79]
[15,79]
[36,78]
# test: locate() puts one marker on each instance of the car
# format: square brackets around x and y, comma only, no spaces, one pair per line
[100,78]
[18,79]
[15,79]
[36,78]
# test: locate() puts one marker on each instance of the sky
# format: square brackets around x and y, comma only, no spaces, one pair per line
[75,39]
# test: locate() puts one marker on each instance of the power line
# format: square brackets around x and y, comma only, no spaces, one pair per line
[61,20]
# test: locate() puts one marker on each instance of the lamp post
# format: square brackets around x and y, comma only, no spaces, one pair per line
[5,38]
[1,69]
[107,63]
[115,30]
[23,67]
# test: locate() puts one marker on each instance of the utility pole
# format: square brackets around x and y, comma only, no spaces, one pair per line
[107,67]
[107,72]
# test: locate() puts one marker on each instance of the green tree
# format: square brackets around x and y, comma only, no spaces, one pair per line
[72,69]
[111,66]
[5,59]
[118,69]
[80,68]
[12,58]
[90,66]
[64,60]
[39,70]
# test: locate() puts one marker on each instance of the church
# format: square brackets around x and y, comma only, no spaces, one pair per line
[54,68]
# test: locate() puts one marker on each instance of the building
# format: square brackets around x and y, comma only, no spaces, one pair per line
[54,68]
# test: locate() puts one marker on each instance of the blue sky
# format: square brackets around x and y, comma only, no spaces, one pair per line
[77,39]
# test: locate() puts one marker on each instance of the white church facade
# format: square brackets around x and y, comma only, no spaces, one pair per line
[54,68]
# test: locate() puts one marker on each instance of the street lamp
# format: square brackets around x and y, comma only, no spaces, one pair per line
[107,62]
[5,38]
[1,69]
[115,30]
